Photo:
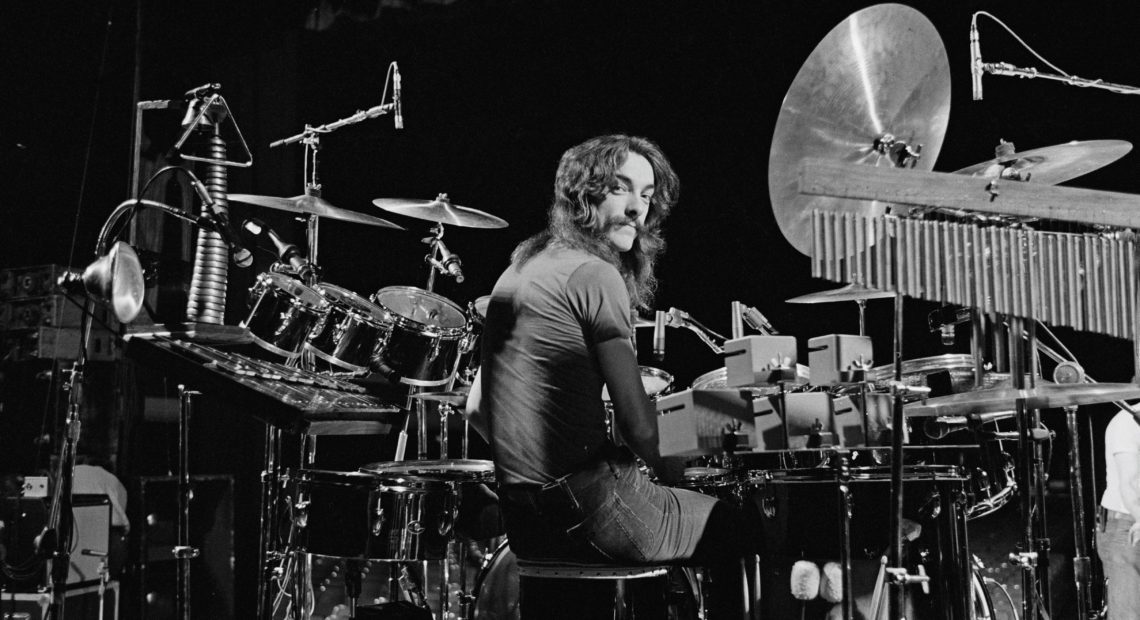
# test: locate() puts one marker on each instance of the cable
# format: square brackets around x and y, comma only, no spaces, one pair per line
[974,22]
[91,133]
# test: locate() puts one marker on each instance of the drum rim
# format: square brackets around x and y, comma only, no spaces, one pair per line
[403,469]
[404,321]
[283,281]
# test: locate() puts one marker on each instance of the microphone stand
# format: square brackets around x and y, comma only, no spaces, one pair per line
[1004,68]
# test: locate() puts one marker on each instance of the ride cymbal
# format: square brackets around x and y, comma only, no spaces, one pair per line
[1050,165]
[312,205]
[1046,396]
[455,398]
[851,292]
[440,210]
[875,90]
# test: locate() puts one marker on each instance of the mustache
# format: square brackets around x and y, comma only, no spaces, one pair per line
[614,223]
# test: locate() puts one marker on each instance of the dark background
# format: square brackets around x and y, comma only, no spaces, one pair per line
[494,91]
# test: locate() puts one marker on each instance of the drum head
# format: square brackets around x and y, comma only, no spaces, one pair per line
[446,469]
[718,379]
[420,306]
[293,288]
[346,299]
[958,368]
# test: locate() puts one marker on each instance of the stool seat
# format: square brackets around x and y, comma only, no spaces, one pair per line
[568,569]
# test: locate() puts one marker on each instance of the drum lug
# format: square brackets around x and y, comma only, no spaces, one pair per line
[301,513]
[378,522]
[435,346]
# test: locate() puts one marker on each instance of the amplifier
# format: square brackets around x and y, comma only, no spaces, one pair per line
[25,518]
[35,281]
[79,604]
[50,311]
[56,343]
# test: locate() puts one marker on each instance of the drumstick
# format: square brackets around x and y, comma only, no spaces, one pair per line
[876,599]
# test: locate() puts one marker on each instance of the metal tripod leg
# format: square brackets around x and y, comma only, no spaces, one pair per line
[183,551]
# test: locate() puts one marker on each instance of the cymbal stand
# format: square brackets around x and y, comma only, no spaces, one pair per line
[183,551]
[1032,556]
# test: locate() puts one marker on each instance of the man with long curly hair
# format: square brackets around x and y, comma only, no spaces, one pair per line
[558,328]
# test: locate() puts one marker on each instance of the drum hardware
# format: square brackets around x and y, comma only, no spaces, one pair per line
[447,402]
[440,258]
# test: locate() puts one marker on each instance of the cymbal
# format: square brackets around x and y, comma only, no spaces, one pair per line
[1045,396]
[881,73]
[851,292]
[440,210]
[312,205]
[1050,165]
[455,398]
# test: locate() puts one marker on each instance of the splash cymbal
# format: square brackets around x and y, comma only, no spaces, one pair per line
[1050,165]
[877,85]
[312,205]
[440,210]
[851,292]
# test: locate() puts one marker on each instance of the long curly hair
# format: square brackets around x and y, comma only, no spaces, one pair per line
[586,174]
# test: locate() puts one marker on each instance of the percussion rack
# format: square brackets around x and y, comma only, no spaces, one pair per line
[999,267]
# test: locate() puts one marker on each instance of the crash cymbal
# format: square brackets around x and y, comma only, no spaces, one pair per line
[455,398]
[1046,396]
[851,292]
[440,210]
[1050,165]
[313,205]
[881,75]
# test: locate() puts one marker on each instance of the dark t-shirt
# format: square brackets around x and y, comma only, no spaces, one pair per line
[541,380]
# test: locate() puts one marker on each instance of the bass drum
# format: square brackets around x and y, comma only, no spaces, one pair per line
[801,519]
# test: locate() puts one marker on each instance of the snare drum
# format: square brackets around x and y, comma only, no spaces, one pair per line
[363,516]
[283,312]
[348,334]
[715,481]
[424,338]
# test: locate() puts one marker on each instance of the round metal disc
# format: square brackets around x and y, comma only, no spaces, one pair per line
[883,70]
[1050,165]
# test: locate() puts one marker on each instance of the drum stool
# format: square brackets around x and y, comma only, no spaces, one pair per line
[618,573]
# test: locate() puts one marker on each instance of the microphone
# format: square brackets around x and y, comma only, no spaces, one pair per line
[220,223]
[659,336]
[758,322]
[449,263]
[398,97]
[976,61]
[805,580]
[286,252]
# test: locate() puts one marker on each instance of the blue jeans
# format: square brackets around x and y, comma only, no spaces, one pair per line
[1121,562]
[612,513]
[609,512]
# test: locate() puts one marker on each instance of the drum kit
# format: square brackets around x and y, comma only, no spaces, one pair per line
[894,514]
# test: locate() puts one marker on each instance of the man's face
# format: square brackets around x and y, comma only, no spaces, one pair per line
[628,203]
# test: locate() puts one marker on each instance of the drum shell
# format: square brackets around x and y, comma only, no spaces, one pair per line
[421,348]
[713,481]
[283,312]
[360,516]
[348,334]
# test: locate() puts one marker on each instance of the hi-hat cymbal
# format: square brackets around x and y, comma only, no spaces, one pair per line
[878,79]
[1050,165]
[851,292]
[1045,396]
[313,205]
[455,398]
[440,210]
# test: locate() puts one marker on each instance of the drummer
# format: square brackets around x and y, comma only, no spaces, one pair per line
[558,328]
